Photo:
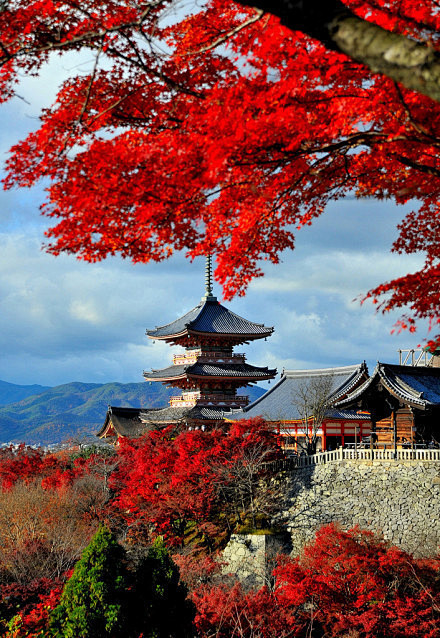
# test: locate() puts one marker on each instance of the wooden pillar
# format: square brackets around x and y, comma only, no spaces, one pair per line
[394,425]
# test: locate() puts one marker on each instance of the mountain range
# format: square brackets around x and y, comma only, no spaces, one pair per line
[35,414]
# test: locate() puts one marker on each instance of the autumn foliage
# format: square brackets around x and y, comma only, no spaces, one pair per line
[344,584]
[208,481]
[192,488]
[217,129]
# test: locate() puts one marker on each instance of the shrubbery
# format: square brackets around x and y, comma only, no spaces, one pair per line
[82,550]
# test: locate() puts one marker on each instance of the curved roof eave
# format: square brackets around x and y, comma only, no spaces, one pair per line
[394,389]
[210,317]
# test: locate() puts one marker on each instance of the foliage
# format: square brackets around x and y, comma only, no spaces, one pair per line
[42,533]
[32,619]
[24,463]
[105,596]
[166,483]
[226,132]
[161,607]
[95,450]
[92,602]
[353,582]
[344,584]
[224,611]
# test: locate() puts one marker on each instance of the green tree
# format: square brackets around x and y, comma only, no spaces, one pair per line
[167,612]
[95,597]
[107,597]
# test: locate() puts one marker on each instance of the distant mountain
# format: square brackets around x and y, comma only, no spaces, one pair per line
[10,392]
[52,415]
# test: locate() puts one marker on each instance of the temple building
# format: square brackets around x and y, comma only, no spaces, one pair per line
[288,406]
[206,374]
[403,401]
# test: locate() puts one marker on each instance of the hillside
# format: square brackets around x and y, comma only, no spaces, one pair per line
[53,415]
[11,393]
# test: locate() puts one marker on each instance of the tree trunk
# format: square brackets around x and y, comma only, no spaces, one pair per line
[402,59]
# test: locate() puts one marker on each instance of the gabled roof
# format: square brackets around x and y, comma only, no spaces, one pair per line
[277,404]
[209,316]
[134,422]
[243,371]
[122,422]
[418,386]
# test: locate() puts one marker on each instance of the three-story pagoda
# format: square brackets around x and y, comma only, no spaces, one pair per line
[207,372]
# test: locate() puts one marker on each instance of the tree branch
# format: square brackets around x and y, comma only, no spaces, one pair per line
[415,65]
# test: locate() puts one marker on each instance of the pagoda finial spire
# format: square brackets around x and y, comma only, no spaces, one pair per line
[208,280]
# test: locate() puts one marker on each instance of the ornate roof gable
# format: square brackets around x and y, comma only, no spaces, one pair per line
[417,386]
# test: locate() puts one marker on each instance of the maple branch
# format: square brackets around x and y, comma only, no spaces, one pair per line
[159,75]
[89,36]
[85,104]
[422,130]
[259,13]
[424,168]
[404,60]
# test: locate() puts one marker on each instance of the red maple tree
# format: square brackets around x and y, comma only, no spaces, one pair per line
[224,131]
[205,482]
[352,583]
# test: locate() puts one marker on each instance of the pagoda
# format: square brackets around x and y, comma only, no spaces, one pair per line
[207,374]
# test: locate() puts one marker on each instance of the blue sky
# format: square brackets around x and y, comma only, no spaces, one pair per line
[63,320]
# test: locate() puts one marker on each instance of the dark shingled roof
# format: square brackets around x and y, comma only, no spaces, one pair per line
[177,415]
[209,316]
[277,403]
[240,370]
[134,422]
[126,421]
[418,386]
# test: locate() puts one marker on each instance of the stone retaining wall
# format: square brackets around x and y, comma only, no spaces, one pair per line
[397,499]
[251,557]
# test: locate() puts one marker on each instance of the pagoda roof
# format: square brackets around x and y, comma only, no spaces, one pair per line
[179,415]
[210,317]
[223,370]
[277,404]
[417,386]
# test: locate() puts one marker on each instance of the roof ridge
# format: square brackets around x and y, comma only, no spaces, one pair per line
[170,323]
[322,371]
[231,312]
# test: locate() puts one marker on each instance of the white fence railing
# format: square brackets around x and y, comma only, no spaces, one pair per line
[425,454]
[342,454]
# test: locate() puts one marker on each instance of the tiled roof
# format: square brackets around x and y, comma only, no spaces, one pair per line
[134,422]
[209,316]
[277,404]
[418,386]
[349,415]
[176,415]
[240,370]
[125,421]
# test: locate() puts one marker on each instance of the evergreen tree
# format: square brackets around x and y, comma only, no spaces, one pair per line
[167,613]
[104,598]
[95,598]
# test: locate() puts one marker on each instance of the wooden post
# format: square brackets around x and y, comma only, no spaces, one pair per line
[355,441]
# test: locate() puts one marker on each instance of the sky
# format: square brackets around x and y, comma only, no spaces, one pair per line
[63,320]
